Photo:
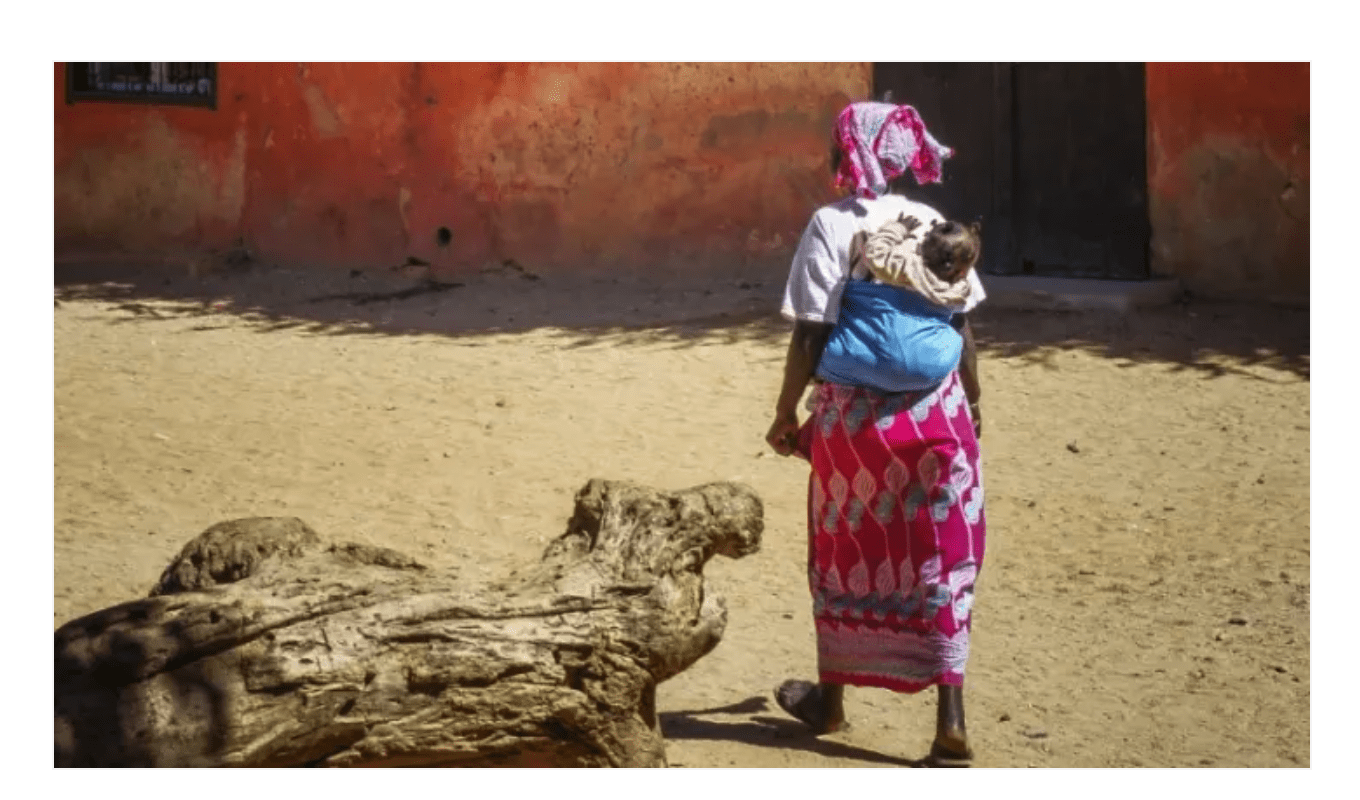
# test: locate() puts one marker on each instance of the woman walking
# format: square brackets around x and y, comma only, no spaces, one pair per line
[895,503]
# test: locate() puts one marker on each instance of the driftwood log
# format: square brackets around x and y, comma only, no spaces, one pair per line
[262,645]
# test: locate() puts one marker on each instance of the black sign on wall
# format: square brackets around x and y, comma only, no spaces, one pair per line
[183,83]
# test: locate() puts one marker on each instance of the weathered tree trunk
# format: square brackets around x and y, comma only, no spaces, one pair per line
[264,646]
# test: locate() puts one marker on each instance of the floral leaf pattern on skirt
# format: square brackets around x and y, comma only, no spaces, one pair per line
[939,509]
[884,506]
[858,580]
[830,517]
[953,400]
[928,470]
[854,514]
[864,485]
[885,582]
[961,580]
[896,476]
[911,505]
[857,414]
[902,619]
[972,510]
[921,411]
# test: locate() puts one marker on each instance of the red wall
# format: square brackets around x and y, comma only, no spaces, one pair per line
[1228,177]
[567,166]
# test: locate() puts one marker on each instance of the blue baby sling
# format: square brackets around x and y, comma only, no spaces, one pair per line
[889,339]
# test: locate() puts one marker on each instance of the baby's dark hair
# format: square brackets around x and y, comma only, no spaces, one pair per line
[950,248]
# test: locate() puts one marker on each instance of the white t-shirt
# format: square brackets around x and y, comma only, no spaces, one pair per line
[822,264]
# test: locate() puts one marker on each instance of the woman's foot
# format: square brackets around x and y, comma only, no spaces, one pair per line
[820,706]
[950,748]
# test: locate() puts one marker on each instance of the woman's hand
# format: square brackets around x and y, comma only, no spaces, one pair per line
[783,435]
[975,411]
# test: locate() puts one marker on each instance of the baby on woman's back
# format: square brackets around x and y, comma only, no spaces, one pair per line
[895,332]
[933,262]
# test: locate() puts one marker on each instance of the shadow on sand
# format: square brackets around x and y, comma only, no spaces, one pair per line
[766,731]
[1210,338]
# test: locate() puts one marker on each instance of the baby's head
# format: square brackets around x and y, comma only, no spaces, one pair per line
[950,249]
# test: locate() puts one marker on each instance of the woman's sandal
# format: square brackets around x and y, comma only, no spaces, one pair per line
[802,700]
[941,755]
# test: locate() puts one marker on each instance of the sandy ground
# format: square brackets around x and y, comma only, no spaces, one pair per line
[1145,598]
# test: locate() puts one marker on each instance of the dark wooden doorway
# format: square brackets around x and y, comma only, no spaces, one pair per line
[1052,157]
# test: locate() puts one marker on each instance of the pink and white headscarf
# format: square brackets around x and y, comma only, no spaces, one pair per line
[880,141]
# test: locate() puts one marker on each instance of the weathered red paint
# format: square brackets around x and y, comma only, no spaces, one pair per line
[1228,177]
[558,166]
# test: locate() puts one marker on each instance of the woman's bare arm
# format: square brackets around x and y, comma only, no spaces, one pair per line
[805,350]
[968,371]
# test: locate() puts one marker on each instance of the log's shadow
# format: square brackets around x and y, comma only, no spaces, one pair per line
[98,726]
[761,730]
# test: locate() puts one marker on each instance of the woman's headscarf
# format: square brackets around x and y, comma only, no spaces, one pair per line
[880,141]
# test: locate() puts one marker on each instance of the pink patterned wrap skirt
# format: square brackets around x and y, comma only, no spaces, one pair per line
[896,534]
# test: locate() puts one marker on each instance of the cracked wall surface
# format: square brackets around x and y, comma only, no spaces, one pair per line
[579,167]
[611,168]
[1228,169]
